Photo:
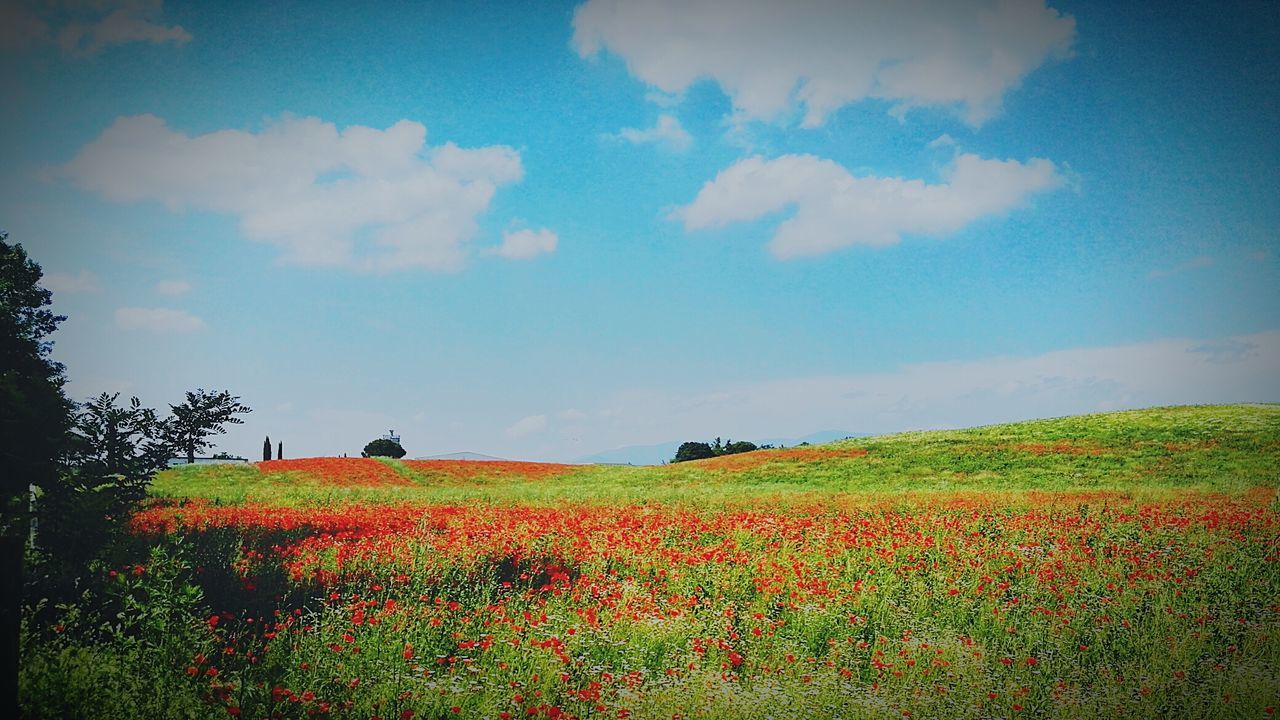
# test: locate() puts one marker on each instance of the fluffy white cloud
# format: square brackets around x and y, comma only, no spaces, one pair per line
[304,185]
[834,209]
[771,58]
[528,426]
[159,320]
[525,243]
[667,132]
[173,287]
[60,282]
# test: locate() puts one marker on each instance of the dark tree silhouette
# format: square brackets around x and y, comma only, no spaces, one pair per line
[202,415]
[266,449]
[279,451]
[715,448]
[693,451]
[383,447]
[34,418]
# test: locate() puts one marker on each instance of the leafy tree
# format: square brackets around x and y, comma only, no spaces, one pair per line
[202,415]
[693,451]
[34,413]
[715,448]
[118,445]
[34,418]
[266,449]
[383,447]
[113,452]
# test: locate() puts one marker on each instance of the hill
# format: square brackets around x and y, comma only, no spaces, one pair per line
[1226,448]
[660,453]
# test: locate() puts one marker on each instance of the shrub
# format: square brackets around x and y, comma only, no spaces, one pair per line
[383,447]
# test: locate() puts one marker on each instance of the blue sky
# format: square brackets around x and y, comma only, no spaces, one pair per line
[547,230]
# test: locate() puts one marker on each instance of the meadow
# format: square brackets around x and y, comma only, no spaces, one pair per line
[1113,565]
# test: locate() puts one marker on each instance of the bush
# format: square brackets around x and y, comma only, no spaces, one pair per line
[693,451]
[383,447]
[701,450]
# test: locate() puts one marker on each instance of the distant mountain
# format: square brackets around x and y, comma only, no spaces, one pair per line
[476,457]
[635,454]
[663,452]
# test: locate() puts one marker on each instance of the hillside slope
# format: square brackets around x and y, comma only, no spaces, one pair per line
[1227,448]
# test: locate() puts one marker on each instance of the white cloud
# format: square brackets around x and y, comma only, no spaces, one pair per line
[571,415]
[86,27]
[943,140]
[173,287]
[1200,261]
[126,22]
[834,209]
[59,282]
[159,320]
[309,188]
[525,244]
[667,132]
[772,58]
[528,426]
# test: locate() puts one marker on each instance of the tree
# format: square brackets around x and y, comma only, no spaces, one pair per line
[202,415]
[118,445]
[34,418]
[715,448]
[34,413]
[113,452]
[383,447]
[693,451]
[266,449]
[280,451]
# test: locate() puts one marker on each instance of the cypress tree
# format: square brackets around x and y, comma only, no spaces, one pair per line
[280,451]
[266,448]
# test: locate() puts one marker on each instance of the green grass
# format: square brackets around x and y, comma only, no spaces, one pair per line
[1118,564]
[1225,448]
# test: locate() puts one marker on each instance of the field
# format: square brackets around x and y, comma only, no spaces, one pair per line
[1123,564]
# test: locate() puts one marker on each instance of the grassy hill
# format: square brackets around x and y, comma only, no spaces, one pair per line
[1211,448]
[1111,565]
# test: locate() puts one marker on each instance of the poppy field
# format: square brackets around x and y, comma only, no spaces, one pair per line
[1120,565]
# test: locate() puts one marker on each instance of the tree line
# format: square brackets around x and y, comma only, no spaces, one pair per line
[71,471]
[695,450]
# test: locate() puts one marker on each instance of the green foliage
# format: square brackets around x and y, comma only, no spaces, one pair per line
[113,452]
[116,649]
[700,450]
[383,447]
[34,412]
[693,451]
[121,446]
[201,416]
